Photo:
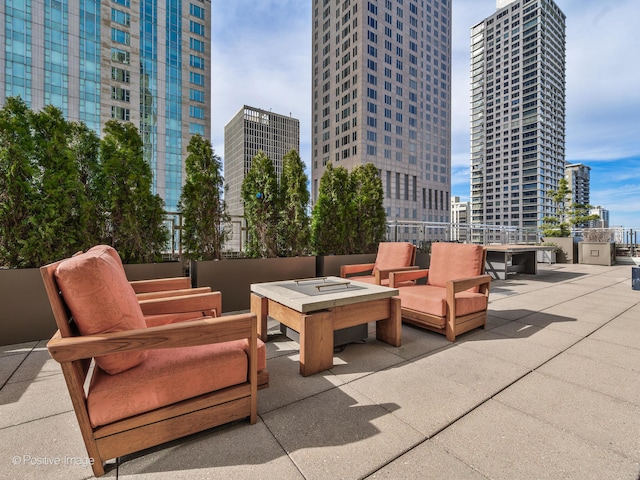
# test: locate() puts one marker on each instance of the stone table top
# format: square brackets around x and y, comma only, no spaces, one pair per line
[313,294]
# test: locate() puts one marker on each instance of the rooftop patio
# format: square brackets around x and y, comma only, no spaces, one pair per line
[550,389]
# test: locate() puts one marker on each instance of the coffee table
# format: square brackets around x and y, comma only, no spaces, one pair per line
[316,307]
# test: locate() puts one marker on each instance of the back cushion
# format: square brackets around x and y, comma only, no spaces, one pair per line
[393,255]
[450,261]
[101,300]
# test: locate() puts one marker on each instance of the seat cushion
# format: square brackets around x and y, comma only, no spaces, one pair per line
[393,255]
[101,300]
[452,261]
[433,300]
[168,376]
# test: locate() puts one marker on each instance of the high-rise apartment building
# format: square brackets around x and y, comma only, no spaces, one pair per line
[143,61]
[382,95]
[603,221]
[250,131]
[518,113]
[578,178]
[460,220]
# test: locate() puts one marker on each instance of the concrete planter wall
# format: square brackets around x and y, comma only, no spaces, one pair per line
[233,277]
[25,313]
[597,253]
[567,249]
[329,265]
[26,316]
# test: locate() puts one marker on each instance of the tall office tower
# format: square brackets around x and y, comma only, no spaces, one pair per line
[143,61]
[518,113]
[382,95]
[252,130]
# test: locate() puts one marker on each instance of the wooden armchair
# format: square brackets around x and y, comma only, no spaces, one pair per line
[147,384]
[456,296]
[200,301]
[392,256]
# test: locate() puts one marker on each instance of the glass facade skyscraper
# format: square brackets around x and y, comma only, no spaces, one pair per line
[143,61]
[381,94]
[517,113]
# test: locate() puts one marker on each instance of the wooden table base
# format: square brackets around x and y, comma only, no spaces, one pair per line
[316,328]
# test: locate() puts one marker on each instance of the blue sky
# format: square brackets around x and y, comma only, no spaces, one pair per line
[261,56]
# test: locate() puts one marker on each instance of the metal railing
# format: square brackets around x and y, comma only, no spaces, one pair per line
[418,233]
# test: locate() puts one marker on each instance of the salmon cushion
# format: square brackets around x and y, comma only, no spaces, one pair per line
[168,376]
[433,300]
[393,255]
[101,300]
[453,261]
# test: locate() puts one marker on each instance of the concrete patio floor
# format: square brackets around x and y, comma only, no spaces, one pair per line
[550,389]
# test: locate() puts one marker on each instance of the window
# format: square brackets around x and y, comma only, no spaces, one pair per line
[120,113]
[120,74]
[196,78]
[196,95]
[196,112]
[122,94]
[196,11]
[120,36]
[121,56]
[196,62]
[196,28]
[196,45]
[118,16]
[196,129]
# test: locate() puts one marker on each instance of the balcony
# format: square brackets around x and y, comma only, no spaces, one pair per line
[551,388]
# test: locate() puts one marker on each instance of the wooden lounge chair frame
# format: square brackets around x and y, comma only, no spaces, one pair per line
[74,353]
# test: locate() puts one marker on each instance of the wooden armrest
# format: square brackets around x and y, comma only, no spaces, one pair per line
[397,277]
[382,274]
[463,284]
[172,293]
[357,268]
[184,303]
[203,331]
[159,284]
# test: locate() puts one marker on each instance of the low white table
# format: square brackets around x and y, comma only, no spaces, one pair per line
[316,307]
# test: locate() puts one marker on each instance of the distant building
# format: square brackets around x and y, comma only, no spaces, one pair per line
[250,131]
[382,95]
[517,113]
[578,178]
[460,215]
[142,61]
[603,221]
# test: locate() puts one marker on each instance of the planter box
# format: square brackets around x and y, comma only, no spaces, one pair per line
[233,277]
[567,249]
[26,313]
[597,253]
[149,271]
[329,265]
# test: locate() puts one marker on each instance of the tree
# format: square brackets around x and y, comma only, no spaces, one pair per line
[261,197]
[61,216]
[17,192]
[293,228]
[333,215]
[134,215]
[568,213]
[85,145]
[202,204]
[370,217]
